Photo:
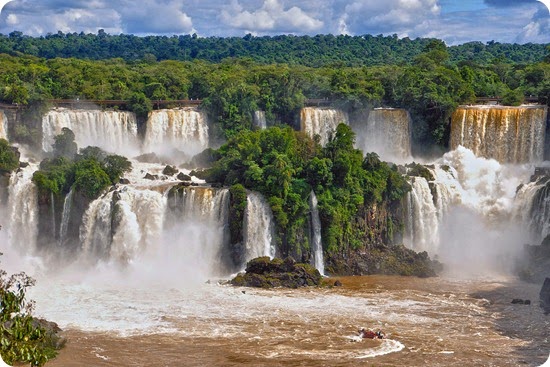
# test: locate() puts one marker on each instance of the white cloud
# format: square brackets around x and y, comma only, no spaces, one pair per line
[271,17]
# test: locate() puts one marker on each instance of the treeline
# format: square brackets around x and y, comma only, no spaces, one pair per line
[430,87]
[316,51]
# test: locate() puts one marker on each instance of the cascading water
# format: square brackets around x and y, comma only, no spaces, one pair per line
[507,134]
[465,215]
[316,238]
[533,209]
[21,217]
[3,125]
[258,227]
[387,133]
[321,121]
[65,215]
[112,131]
[182,129]
[259,120]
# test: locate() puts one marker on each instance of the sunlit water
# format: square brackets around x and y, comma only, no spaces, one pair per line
[434,322]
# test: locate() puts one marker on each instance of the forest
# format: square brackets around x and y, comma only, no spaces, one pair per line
[430,85]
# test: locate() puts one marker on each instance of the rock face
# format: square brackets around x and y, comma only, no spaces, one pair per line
[545,296]
[262,272]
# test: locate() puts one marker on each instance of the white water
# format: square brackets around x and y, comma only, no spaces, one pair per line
[183,129]
[3,125]
[258,227]
[316,239]
[321,121]
[533,209]
[468,217]
[20,216]
[387,133]
[65,216]
[259,119]
[112,131]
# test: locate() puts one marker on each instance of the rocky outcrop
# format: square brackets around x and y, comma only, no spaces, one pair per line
[545,296]
[386,260]
[265,273]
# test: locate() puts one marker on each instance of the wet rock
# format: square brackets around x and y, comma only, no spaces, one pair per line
[170,170]
[338,283]
[23,164]
[183,177]
[124,181]
[149,176]
[519,301]
[545,296]
[265,273]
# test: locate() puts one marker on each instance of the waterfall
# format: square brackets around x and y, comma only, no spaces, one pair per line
[52,206]
[321,121]
[112,131]
[258,227]
[507,134]
[388,133]
[533,209]
[315,230]
[465,213]
[182,129]
[3,125]
[22,210]
[96,228]
[65,216]
[259,119]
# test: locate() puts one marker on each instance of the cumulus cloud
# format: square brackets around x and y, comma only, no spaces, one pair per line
[453,21]
[271,17]
[389,16]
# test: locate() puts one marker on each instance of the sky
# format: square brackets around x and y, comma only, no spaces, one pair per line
[454,21]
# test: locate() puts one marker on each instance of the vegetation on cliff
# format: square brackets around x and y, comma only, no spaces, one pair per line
[430,84]
[89,172]
[23,339]
[285,166]
[9,157]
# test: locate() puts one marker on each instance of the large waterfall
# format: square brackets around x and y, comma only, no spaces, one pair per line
[258,227]
[20,216]
[112,131]
[321,121]
[315,234]
[507,134]
[533,209]
[3,125]
[387,132]
[465,214]
[182,129]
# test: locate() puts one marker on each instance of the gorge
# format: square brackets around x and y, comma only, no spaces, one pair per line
[141,240]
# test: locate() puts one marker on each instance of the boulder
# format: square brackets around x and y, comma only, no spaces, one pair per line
[169,170]
[124,181]
[183,177]
[149,176]
[265,273]
[545,296]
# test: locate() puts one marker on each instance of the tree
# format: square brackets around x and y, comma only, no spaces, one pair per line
[64,144]
[22,338]
[9,157]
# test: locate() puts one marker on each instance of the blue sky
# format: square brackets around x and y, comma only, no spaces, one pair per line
[454,21]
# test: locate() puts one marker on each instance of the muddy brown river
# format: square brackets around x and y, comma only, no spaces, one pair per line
[428,322]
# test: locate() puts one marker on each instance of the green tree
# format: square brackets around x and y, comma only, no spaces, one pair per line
[64,144]
[9,157]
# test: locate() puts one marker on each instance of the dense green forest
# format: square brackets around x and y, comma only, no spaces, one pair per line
[317,51]
[430,86]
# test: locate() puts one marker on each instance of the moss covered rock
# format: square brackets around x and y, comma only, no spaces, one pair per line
[265,273]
